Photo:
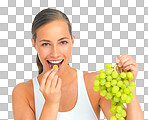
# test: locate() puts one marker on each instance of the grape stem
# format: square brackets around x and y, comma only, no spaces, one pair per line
[119,68]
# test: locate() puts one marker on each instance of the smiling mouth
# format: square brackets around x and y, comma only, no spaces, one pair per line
[52,64]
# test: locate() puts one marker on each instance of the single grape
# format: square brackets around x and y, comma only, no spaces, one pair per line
[132,84]
[113,118]
[115,74]
[126,82]
[109,89]
[96,83]
[119,109]
[123,75]
[102,82]
[128,100]
[120,104]
[103,92]
[126,91]
[97,77]
[108,71]
[131,94]
[118,94]
[118,115]
[109,66]
[102,71]
[96,88]
[121,90]
[115,89]
[113,108]
[103,87]
[123,86]
[120,83]
[131,88]
[102,75]
[116,99]
[55,66]
[123,113]
[107,84]
[109,78]
[122,101]
[123,96]
[113,82]
[130,75]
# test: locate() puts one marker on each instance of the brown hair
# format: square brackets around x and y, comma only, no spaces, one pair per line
[43,17]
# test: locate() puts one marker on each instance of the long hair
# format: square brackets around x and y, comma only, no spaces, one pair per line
[46,16]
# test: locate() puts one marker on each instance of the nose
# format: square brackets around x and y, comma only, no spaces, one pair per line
[55,52]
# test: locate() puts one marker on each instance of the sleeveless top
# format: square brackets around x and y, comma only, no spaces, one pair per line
[83,109]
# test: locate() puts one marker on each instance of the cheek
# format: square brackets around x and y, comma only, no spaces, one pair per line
[67,50]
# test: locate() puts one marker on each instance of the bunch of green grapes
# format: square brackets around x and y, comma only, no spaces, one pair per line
[115,85]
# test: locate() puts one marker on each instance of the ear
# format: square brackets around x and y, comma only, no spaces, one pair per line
[73,37]
[33,43]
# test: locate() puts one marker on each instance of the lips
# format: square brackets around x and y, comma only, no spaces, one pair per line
[52,64]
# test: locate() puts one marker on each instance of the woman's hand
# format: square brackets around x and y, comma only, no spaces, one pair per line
[128,63]
[50,87]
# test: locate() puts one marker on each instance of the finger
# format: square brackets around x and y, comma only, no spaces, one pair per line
[59,84]
[51,76]
[54,82]
[123,56]
[44,78]
[123,60]
[132,62]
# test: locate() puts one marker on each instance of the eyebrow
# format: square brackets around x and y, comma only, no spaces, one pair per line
[58,40]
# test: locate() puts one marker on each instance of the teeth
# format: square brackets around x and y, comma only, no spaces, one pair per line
[55,61]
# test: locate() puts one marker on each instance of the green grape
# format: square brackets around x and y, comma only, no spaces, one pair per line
[113,103]
[130,75]
[113,82]
[132,84]
[123,113]
[118,115]
[107,84]
[114,94]
[119,109]
[122,101]
[118,78]
[96,83]
[109,95]
[102,71]
[123,75]
[123,86]
[126,91]
[108,66]
[108,71]
[113,108]
[123,96]
[118,94]
[102,75]
[115,89]
[113,118]
[126,82]
[103,92]
[102,82]
[115,74]
[109,89]
[116,99]
[131,94]
[97,77]
[120,83]
[96,88]
[109,78]
[121,118]
[128,100]
[103,87]
[55,66]
[131,88]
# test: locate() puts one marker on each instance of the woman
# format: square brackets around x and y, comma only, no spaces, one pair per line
[65,93]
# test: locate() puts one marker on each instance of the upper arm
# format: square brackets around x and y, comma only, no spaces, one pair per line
[20,105]
[105,105]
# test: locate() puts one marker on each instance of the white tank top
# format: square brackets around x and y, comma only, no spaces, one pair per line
[83,109]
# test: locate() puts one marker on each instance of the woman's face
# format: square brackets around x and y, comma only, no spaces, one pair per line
[54,42]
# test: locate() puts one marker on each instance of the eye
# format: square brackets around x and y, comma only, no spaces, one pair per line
[44,44]
[64,42]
